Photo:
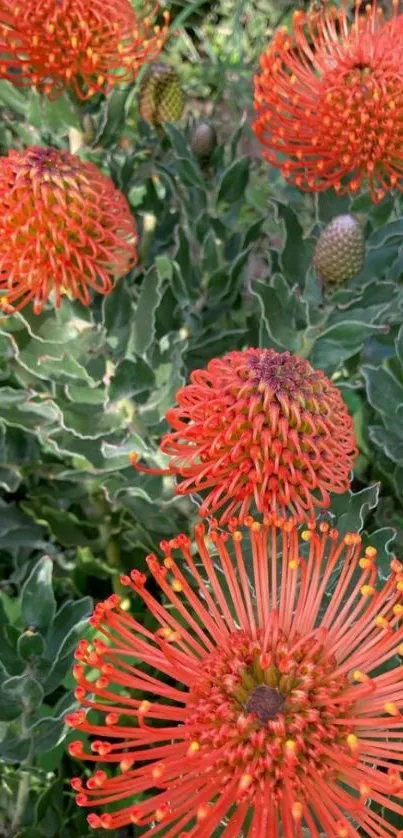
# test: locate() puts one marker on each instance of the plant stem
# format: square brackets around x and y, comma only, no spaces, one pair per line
[22,793]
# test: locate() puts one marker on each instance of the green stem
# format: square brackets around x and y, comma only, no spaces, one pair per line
[22,793]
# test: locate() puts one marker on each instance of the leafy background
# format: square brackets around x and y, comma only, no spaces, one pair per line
[225,262]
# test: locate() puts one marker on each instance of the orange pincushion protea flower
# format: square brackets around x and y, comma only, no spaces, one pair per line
[264,711]
[329,100]
[63,228]
[90,45]
[259,427]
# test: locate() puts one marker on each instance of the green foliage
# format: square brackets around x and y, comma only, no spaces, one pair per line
[225,261]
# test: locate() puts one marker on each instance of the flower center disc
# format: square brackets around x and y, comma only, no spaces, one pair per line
[266,703]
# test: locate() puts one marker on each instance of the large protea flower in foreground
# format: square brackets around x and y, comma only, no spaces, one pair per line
[89,45]
[329,100]
[266,712]
[263,428]
[63,228]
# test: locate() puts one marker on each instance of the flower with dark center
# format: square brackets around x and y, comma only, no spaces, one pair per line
[64,228]
[257,705]
[329,100]
[88,45]
[259,427]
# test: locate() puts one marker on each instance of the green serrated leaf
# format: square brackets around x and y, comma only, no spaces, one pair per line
[384,391]
[132,379]
[234,182]
[38,603]
[144,319]
[339,342]
[351,510]
[20,694]
[189,173]
[30,645]
[66,628]
[283,315]
[296,253]
[47,733]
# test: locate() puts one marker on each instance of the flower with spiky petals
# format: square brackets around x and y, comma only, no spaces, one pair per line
[64,228]
[329,100]
[87,45]
[259,427]
[258,703]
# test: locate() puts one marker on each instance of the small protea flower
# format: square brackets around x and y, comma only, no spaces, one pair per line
[258,705]
[340,250]
[329,98]
[64,228]
[203,140]
[161,97]
[89,45]
[259,427]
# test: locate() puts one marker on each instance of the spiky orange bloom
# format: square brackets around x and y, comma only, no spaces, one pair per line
[89,45]
[259,427]
[329,100]
[265,710]
[63,228]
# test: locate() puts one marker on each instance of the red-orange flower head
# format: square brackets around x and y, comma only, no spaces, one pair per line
[63,228]
[264,710]
[260,427]
[329,100]
[89,45]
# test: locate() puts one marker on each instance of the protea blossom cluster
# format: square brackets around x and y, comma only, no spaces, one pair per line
[64,228]
[259,429]
[258,703]
[88,45]
[329,99]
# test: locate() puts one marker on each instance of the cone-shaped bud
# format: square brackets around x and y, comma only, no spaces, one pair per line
[340,251]
[204,140]
[161,96]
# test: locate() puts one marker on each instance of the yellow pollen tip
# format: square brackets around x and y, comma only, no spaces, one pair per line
[194,747]
[306,535]
[365,563]
[367,590]
[381,622]
[255,526]
[359,676]
[291,745]
[245,781]
[364,790]
[399,587]
[125,765]
[177,586]
[144,707]
[160,814]
[158,771]
[237,535]
[297,811]
[353,741]
[391,708]
[202,812]
[398,610]
[133,458]
[400,650]
[294,564]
